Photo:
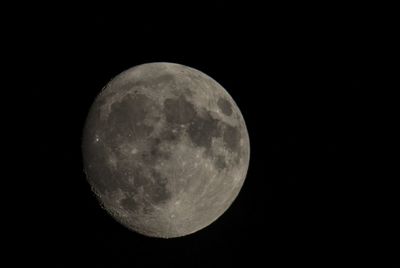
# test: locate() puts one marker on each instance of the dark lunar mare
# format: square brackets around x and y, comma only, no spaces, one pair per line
[202,127]
[225,106]
[124,125]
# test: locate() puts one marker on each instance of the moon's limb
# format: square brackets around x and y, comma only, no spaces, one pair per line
[165,149]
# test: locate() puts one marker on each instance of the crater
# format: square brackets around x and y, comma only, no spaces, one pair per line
[225,106]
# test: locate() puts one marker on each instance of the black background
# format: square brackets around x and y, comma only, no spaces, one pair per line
[301,77]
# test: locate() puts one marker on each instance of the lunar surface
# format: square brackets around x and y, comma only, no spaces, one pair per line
[165,149]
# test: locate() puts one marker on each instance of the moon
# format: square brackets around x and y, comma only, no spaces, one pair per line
[165,149]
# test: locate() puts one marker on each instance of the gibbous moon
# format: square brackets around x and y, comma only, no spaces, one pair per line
[165,149]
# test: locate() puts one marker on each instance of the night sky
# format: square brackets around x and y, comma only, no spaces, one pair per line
[299,75]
